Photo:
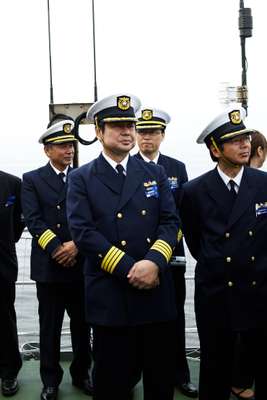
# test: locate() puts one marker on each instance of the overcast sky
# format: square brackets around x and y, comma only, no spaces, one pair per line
[173,54]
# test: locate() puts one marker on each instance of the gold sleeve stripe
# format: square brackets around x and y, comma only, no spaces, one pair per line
[45,238]
[162,251]
[179,235]
[112,251]
[164,245]
[115,263]
[164,248]
[111,259]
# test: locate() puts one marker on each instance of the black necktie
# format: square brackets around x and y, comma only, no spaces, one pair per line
[152,162]
[62,176]
[232,192]
[121,175]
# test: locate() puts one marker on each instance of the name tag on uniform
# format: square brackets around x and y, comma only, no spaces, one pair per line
[173,182]
[10,200]
[261,208]
[151,189]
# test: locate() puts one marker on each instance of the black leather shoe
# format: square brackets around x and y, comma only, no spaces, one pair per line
[85,385]
[188,389]
[9,386]
[49,393]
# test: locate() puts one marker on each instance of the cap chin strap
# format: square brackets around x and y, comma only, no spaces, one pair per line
[96,123]
[228,162]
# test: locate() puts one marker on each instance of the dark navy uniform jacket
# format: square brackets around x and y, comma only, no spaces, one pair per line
[230,249]
[114,230]
[177,176]
[11,225]
[44,209]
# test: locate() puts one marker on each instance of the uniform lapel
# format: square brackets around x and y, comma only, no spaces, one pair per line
[106,174]
[244,198]
[50,177]
[164,162]
[138,155]
[134,176]
[217,189]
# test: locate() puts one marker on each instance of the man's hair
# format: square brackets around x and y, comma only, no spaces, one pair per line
[101,125]
[212,156]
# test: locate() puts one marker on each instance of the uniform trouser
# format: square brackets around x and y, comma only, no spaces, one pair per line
[54,299]
[243,376]
[217,352]
[10,360]
[182,373]
[120,351]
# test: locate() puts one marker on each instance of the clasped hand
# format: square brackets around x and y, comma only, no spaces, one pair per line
[144,274]
[65,254]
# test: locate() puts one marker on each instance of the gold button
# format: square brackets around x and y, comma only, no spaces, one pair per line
[148,240]
[36,235]
[58,207]
[119,215]
[250,233]
[227,235]
[228,259]
[254,283]
[252,258]
[58,225]
[100,255]
[143,212]
[123,242]
[230,284]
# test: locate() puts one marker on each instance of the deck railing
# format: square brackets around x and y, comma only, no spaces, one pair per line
[27,305]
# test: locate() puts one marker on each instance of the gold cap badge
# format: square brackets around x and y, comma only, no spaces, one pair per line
[147,114]
[67,128]
[235,117]
[123,103]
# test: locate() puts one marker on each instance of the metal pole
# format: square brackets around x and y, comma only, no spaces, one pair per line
[94,47]
[50,57]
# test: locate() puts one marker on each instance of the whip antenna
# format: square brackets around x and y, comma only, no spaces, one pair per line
[50,56]
[94,46]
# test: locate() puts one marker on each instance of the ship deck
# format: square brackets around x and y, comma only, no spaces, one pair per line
[30,384]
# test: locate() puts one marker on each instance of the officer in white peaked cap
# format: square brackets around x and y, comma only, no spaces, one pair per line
[123,217]
[224,215]
[56,265]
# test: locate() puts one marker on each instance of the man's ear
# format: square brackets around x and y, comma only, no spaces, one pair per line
[99,134]
[260,151]
[46,149]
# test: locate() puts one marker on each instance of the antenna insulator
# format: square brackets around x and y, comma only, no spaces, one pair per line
[245,22]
